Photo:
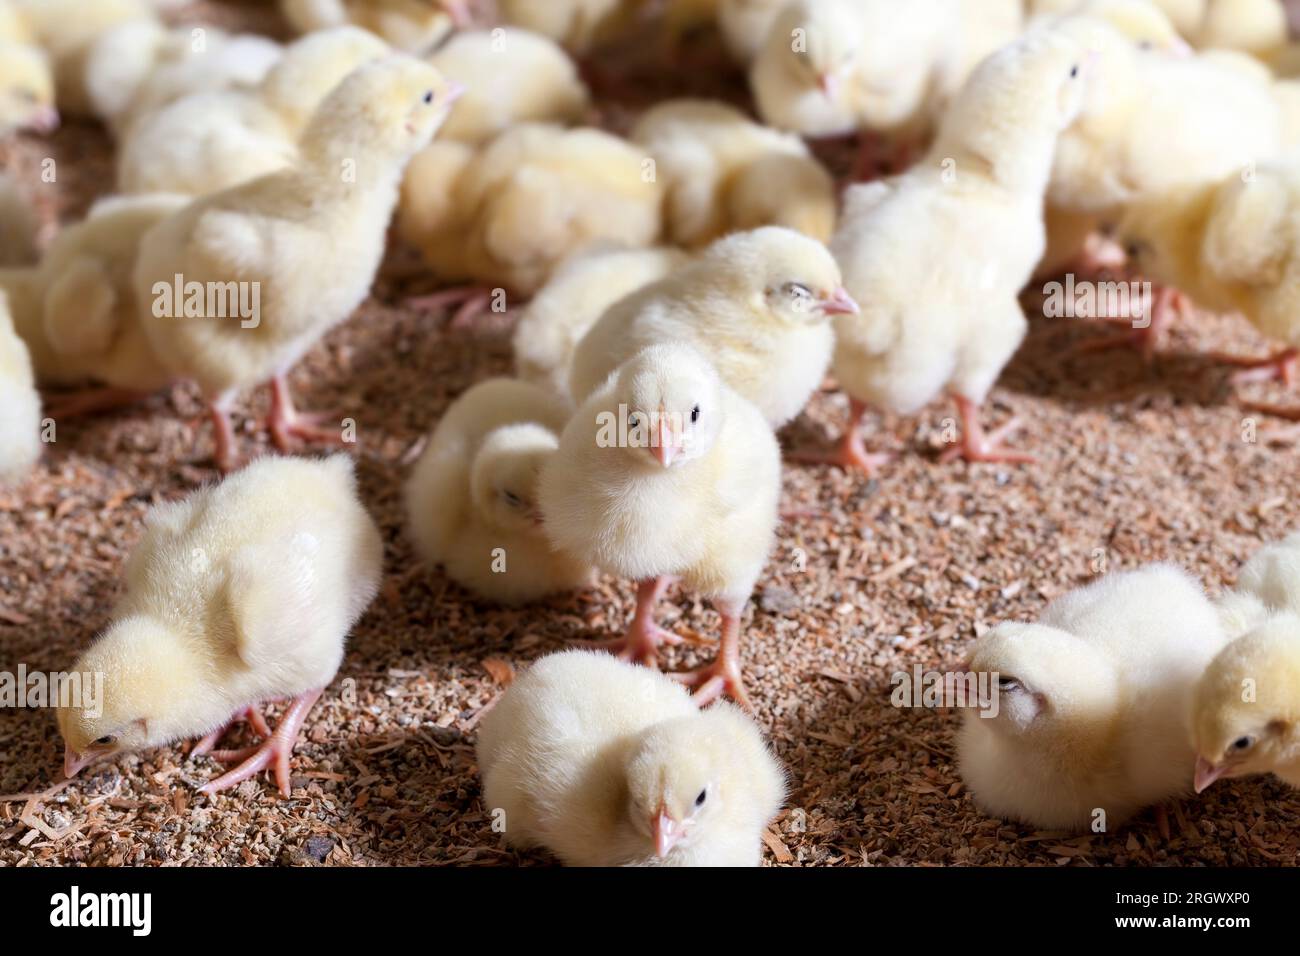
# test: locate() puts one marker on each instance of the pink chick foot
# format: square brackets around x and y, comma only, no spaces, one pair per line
[852,451]
[287,423]
[277,748]
[978,445]
[1277,368]
[470,302]
[251,715]
[722,677]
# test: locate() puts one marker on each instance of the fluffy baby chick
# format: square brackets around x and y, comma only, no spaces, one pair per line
[1234,247]
[414,26]
[239,594]
[719,169]
[141,66]
[210,141]
[67,29]
[665,471]
[472,500]
[745,24]
[573,299]
[607,764]
[1257,27]
[833,67]
[308,239]
[26,90]
[509,214]
[511,76]
[755,304]
[976,203]
[1092,702]
[580,25]
[20,405]
[1246,708]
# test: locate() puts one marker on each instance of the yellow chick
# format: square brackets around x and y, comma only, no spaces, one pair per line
[953,322]
[745,25]
[241,593]
[299,247]
[1086,719]
[1246,709]
[79,313]
[1233,247]
[719,169]
[666,472]
[20,405]
[206,142]
[573,299]
[756,304]
[1257,27]
[67,29]
[26,90]
[413,26]
[509,214]
[471,501]
[603,763]
[579,25]
[141,66]
[511,76]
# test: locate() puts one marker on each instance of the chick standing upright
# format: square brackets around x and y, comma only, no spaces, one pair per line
[608,764]
[472,499]
[665,471]
[1093,702]
[937,257]
[756,304]
[309,239]
[239,594]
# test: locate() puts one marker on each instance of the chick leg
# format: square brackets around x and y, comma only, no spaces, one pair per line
[278,748]
[90,401]
[1169,305]
[287,423]
[226,454]
[644,637]
[251,714]
[1280,367]
[471,301]
[852,452]
[978,445]
[722,677]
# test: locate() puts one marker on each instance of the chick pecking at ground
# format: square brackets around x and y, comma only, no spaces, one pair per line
[414,26]
[1092,714]
[507,215]
[756,304]
[723,172]
[79,313]
[603,763]
[573,299]
[471,502]
[240,594]
[210,141]
[937,257]
[511,76]
[303,245]
[1246,707]
[663,473]
[141,66]
[1233,246]
[20,405]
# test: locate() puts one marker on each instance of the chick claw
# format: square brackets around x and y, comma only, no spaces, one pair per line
[719,679]
[252,715]
[978,445]
[287,423]
[278,748]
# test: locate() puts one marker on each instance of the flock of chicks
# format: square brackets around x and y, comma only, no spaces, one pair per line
[639,437]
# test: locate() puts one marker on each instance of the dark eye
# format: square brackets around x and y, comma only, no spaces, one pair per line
[1243,743]
[428,97]
[1145,45]
[106,741]
[797,290]
[695,414]
[512,498]
[634,420]
[1008,683]
[699,801]
[1074,71]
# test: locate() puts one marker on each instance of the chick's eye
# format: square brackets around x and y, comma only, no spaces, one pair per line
[428,97]
[106,741]
[634,420]
[1008,683]
[797,290]
[1243,743]
[695,414]
[1074,71]
[512,498]
[699,801]
[1145,45]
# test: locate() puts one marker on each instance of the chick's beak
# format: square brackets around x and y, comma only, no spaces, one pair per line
[1181,48]
[666,831]
[1206,773]
[455,91]
[829,84]
[73,761]
[665,447]
[839,303]
[44,120]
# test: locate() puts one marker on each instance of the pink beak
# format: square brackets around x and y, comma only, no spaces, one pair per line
[665,449]
[73,761]
[44,120]
[455,91]
[840,303]
[829,84]
[1182,49]
[1206,774]
[666,831]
